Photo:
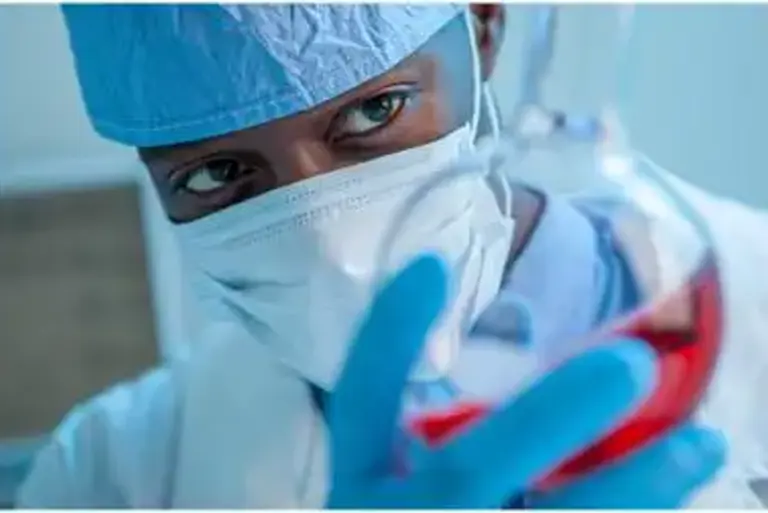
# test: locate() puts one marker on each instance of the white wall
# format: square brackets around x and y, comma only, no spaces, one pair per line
[702,95]
[42,114]
[699,99]
[698,106]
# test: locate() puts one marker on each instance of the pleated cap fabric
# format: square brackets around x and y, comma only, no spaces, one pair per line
[153,75]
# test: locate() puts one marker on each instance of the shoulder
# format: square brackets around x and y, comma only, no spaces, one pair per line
[112,451]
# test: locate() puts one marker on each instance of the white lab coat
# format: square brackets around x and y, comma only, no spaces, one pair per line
[736,402]
[229,427]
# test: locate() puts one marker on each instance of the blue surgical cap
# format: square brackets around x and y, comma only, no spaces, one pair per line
[163,74]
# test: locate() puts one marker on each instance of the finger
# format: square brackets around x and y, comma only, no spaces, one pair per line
[364,409]
[554,419]
[418,452]
[661,476]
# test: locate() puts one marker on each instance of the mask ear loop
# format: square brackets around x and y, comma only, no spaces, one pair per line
[477,95]
[492,111]
[481,93]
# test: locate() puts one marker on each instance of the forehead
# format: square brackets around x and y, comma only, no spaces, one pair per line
[439,67]
[421,69]
[189,72]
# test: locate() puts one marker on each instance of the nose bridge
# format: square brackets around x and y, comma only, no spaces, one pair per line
[305,158]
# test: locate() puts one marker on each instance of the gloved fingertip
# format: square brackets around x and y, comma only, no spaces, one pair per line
[430,266]
[397,322]
[638,360]
[699,449]
[420,288]
[713,441]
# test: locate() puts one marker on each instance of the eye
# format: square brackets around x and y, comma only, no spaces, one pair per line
[216,174]
[372,113]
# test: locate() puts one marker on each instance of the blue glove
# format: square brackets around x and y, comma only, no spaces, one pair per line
[500,456]
[660,476]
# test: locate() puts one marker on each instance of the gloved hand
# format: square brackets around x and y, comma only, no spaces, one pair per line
[663,475]
[501,455]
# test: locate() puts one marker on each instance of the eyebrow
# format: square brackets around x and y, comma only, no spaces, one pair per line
[413,65]
[180,154]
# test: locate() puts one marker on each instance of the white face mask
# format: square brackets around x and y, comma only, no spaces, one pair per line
[297,267]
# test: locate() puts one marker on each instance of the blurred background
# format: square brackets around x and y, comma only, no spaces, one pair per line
[90,290]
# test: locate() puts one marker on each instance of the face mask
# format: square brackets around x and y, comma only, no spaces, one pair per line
[297,267]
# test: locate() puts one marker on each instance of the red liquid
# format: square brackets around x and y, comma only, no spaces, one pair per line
[687,356]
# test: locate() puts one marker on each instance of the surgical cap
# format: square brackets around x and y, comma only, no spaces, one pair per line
[163,74]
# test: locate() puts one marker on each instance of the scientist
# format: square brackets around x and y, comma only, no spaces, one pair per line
[281,140]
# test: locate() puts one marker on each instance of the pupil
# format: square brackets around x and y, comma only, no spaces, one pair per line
[223,170]
[378,109]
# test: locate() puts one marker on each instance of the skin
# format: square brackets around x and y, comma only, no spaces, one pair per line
[424,98]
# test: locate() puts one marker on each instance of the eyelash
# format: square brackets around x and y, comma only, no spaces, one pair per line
[403,93]
[180,181]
